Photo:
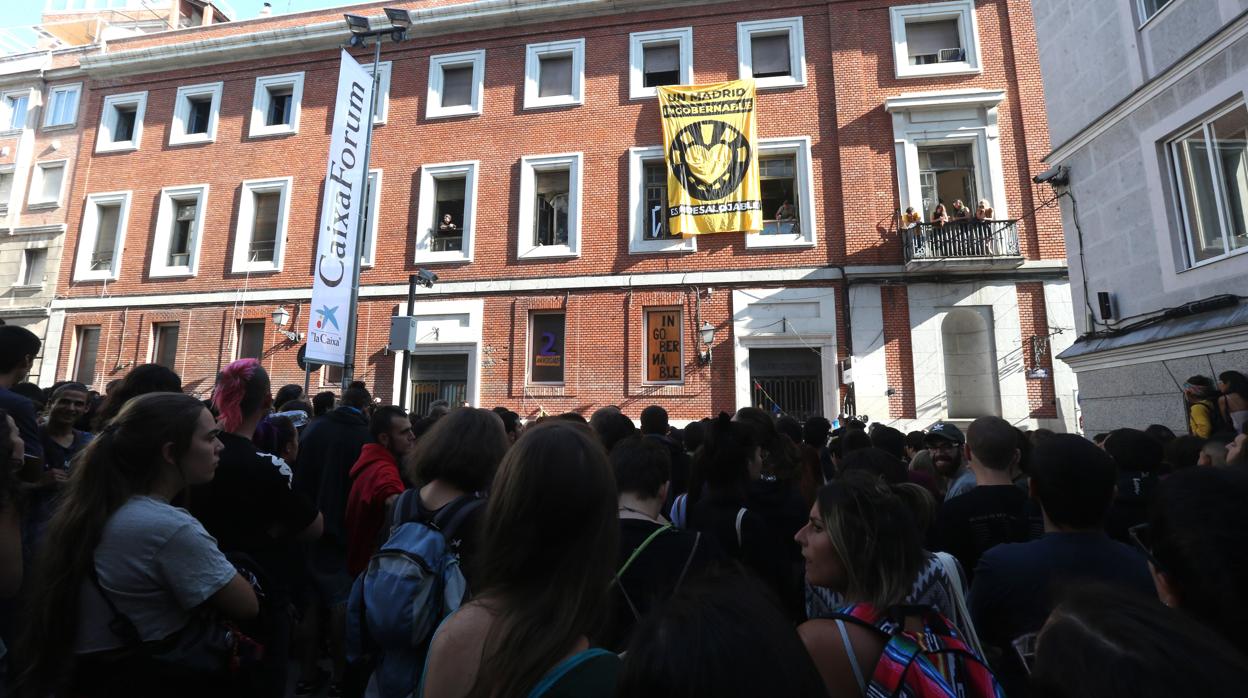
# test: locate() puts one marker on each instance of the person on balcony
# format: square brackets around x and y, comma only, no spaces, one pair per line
[786,218]
[910,218]
[983,213]
[939,216]
[447,227]
[960,212]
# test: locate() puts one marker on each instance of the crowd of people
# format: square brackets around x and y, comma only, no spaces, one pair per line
[261,544]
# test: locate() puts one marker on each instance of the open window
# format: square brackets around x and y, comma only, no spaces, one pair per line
[446,212]
[179,226]
[456,84]
[34,267]
[103,236]
[938,38]
[195,113]
[648,224]
[554,74]
[772,52]
[259,240]
[121,124]
[784,174]
[1209,169]
[550,206]
[663,57]
[276,105]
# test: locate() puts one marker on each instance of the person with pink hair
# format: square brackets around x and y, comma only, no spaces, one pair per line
[250,508]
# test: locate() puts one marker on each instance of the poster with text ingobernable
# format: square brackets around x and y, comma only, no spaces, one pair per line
[710,143]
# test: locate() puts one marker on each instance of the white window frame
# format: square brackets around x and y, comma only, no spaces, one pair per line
[160,268]
[104,142]
[76,88]
[433,101]
[1144,17]
[246,219]
[638,216]
[35,200]
[260,105]
[90,228]
[1203,126]
[9,169]
[383,90]
[22,267]
[637,43]
[368,256]
[529,166]
[793,26]
[182,113]
[533,54]
[798,146]
[426,210]
[6,115]
[968,30]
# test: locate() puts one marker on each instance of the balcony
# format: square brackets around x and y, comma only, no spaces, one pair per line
[962,246]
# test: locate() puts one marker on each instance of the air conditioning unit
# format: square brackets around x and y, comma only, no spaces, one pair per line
[925,58]
[951,55]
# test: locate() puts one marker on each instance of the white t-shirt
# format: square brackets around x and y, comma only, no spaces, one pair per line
[157,563]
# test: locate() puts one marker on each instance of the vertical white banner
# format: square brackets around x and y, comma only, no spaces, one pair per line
[346,179]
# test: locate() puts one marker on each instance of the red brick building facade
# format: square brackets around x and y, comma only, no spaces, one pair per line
[186,233]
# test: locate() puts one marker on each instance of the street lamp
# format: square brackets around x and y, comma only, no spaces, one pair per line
[707,334]
[281,318]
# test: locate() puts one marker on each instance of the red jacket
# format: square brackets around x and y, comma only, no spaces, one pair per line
[374,479]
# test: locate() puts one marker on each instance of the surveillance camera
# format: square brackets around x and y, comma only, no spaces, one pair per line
[1056,176]
[425,278]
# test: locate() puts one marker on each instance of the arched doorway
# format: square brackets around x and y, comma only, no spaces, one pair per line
[971,383]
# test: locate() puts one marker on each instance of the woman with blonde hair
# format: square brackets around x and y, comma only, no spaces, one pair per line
[549,552]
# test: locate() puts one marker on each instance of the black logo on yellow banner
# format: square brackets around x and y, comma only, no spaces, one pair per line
[709,159]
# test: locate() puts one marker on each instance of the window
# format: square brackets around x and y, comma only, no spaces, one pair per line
[456,83]
[179,223]
[546,355]
[784,174]
[648,229]
[86,349]
[1210,169]
[383,91]
[554,74]
[6,188]
[773,52]
[655,58]
[34,263]
[103,236]
[550,206]
[250,339]
[45,185]
[665,360]
[259,241]
[13,106]
[275,106]
[937,38]
[1149,8]
[446,212]
[368,249]
[165,345]
[62,109]
[331,376]
[121,124]
[195,113]
[946,175]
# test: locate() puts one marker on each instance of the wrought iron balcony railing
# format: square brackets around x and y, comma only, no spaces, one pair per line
[960,239]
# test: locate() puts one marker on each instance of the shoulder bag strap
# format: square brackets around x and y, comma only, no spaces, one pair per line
[740,516]
[638,550]
[120,625]
[402,505]
[697,539]
[452,516]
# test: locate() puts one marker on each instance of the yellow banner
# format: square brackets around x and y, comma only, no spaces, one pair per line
[710,138]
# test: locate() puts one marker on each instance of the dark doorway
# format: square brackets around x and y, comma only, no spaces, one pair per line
[787,381]
[438,377]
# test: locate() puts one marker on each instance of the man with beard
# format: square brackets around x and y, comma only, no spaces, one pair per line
[944,443]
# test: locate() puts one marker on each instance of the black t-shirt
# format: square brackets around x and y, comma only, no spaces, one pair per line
[651,578]
[248,502]
[986,515]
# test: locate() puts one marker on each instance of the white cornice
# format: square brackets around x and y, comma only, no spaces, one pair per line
[1184,347]
[262,43]
[1188,64]
[943,99]
[57,228]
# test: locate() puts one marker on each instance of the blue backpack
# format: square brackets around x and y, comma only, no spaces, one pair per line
[411,584]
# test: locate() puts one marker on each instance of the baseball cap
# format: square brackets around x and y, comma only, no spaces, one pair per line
[944,431]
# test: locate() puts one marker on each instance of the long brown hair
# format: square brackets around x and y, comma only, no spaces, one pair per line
[462,449]
[550,537]
[123,461]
